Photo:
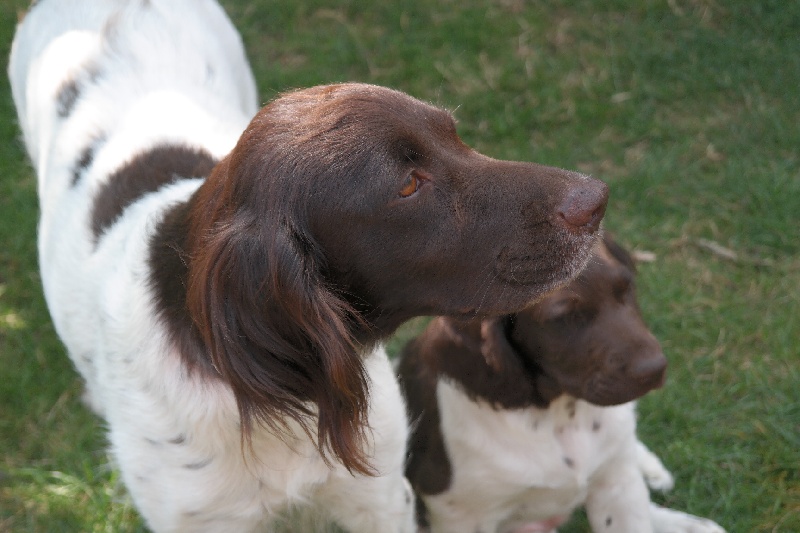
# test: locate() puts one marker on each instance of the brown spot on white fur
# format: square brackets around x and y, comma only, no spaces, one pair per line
[86,158]
[67,97]
[146,172]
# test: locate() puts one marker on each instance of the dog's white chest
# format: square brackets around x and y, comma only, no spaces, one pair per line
[534,462]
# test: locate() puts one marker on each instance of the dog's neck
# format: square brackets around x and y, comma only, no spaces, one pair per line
[504,379]
[169,262]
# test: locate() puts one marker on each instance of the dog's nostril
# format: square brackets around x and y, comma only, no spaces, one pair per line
[584,207]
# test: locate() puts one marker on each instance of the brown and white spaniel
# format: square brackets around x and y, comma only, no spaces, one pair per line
[222,277]
[520,420]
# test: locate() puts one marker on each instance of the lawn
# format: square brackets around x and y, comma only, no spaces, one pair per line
[688,109]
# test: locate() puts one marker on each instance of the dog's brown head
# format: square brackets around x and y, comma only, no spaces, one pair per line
[400,214]
[589,338]
[586,339]
[343,211]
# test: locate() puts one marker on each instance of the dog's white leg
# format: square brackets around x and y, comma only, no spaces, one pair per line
[655,473]
[383,504]
[180,483]
[672,521]
[618,500]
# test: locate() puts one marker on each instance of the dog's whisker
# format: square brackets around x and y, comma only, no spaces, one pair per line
[486,285]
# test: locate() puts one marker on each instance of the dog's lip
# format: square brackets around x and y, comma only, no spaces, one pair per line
[523,274]
[560,261]
[609,395]
[659,380]
[524,271]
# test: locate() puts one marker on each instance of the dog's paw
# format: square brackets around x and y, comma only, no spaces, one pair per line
[671,521]
[653,470]
[659,479]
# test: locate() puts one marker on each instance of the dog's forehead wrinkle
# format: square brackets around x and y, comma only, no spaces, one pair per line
[413,155]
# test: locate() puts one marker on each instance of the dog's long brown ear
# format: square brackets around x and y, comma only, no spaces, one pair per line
[277,334]
[478,355]
[520,381]
[618,252]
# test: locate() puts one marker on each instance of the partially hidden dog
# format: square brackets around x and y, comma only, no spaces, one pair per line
[222,276]
[522,419]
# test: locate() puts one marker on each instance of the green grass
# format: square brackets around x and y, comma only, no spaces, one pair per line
[689,109]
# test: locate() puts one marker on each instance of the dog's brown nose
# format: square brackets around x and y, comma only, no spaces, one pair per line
[649,372]
[584,207]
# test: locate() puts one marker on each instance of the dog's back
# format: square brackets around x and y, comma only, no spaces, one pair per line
[112,54]
[98,84]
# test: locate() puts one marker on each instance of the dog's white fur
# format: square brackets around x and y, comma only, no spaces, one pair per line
[194,86]
[526,470]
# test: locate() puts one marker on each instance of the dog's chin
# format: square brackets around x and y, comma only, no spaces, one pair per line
[614,391]
[507,299]
[513,296]
[544,272]
[527,280]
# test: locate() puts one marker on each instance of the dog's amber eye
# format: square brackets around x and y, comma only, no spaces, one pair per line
[410,185]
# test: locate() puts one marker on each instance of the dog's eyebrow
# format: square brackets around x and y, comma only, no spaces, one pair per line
[448,120]
[413,155]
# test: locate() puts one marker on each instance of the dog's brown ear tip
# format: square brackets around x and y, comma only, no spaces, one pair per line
[547,389]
